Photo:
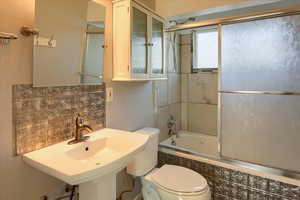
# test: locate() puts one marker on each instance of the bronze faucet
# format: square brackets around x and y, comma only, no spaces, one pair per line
[80,127]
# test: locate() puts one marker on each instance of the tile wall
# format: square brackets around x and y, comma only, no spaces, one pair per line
[46,115]
[227,184]
[199,97]
[191,98]
[169,91]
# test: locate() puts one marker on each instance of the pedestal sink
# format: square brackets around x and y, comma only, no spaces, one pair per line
[93,164]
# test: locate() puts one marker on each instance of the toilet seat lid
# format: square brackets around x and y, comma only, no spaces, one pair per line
[179,179]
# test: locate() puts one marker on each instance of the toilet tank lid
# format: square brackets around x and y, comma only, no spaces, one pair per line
[179,179]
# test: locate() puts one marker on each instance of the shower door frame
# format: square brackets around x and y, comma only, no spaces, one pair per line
[219,23]
[284,172]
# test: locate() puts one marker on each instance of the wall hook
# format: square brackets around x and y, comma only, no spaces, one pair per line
[6,37]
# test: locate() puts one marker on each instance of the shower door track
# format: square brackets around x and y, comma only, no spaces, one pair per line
[236,19]
[259,92]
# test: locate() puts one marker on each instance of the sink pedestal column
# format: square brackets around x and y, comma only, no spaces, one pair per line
[103,188]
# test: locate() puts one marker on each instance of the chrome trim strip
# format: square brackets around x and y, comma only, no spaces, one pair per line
[234,19]
[269,170]
[282,172]
[259,92]
[219,124]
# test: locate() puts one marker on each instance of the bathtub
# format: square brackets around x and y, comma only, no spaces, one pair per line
[196,143]
[204,149]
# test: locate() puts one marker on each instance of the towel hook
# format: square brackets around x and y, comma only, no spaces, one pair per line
[6,37]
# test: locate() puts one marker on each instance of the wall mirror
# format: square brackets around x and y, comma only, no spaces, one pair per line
[70,46]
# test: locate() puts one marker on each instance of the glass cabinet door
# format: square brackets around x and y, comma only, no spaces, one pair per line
[157,47]
[139,42]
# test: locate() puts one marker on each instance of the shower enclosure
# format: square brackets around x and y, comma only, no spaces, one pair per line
[250,109]
[259,91]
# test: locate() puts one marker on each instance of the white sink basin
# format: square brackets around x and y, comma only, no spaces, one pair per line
[92,164]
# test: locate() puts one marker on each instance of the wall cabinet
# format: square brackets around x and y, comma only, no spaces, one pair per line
[138,42]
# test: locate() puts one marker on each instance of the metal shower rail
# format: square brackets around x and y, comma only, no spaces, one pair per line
[236,19]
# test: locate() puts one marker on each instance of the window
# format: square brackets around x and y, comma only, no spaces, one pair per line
[205,52]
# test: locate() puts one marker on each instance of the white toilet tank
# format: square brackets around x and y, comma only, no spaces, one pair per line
[146,160]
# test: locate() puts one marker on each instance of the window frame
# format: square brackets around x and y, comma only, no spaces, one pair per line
[194,49]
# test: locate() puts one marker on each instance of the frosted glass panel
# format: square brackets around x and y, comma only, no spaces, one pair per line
[157,48]
[139,41]
[262,55]
[206,50]
[262,129]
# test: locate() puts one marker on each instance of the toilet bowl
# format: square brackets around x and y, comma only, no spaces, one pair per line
[170,182]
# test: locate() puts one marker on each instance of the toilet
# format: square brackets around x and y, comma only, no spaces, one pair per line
[170,182]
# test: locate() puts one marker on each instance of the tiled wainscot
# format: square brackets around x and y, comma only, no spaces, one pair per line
[46,115]
[228,184]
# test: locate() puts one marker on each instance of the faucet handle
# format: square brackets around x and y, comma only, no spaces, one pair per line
[79,120]
[171,121]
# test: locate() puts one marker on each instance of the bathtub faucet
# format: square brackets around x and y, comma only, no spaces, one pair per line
[172,126]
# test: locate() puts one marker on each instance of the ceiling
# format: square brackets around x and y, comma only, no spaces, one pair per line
[170,8]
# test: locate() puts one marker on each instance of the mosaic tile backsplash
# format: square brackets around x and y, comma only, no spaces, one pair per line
[45,116]
[227,184]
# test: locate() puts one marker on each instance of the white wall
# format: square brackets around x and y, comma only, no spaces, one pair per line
[149,3]
[95,12]
[18,181]
[132,108]
[177,7]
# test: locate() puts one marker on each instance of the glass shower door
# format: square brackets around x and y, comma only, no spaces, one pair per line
[260,80]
